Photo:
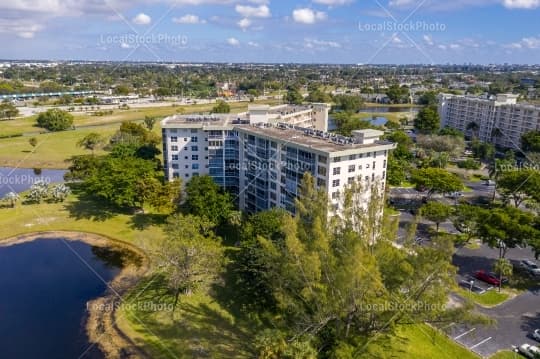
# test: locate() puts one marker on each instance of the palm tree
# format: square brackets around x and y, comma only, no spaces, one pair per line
[12,198]
[503,267]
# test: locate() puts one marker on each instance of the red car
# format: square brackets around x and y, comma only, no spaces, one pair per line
[487,277]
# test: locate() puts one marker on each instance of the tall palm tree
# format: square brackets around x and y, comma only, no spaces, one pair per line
[503,268]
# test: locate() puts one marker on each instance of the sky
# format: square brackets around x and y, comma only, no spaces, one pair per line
[273,31]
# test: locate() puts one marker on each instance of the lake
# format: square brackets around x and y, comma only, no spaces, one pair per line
[45,285]
[21,179]
[374,120]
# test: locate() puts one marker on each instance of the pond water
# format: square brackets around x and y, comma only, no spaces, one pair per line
[21,179]
[375,120]
[45,285]
[390,109]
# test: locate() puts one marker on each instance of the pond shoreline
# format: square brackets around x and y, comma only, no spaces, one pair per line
[100,320]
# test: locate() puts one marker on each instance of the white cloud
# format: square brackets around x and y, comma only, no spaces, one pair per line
[320,44]
[333,2]
[253,44]
[244,23]
[233,42]
[253,11]
[428,40]
[521,4]
[525,43]
[455,46]
[142,19]
[308,16]
[124,45]
[189,19]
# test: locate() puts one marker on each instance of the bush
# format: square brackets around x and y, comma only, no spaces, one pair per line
[55,120]
[469,164]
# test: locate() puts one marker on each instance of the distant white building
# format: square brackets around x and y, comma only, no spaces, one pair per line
[262,155]
[498,119]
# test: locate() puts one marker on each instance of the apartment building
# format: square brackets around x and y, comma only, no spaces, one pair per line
[261,159]
[497,119]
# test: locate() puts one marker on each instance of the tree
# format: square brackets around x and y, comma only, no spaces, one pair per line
[428,98]
[221,107]
[482,150]
[519,185]
[33,142]
[8,110]
[427,121]
[121,90]
[404,144]
[436,212]
[449,131]
[398,94]
[38,191]
[530,141]
[117,180]
[436,180]
[294,97]
[348,103]
[466,219]
[190,257]
[149,122]
[91,141]
[204,198]
[317,95]
[503,267]
[55,120]
[506,227]
[12,198]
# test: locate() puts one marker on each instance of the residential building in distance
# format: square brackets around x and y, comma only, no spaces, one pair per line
[261,156]
[497,119]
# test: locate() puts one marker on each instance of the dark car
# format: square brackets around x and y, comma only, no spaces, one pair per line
[488,277]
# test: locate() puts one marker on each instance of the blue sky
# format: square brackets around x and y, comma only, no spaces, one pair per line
[316,31]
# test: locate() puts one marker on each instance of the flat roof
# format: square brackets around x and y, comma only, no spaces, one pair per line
[313,143]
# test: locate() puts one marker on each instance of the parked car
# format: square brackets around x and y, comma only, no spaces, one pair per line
[488,277]
[455,194]
[536,334]
[530,267]
[530,351]
[490,183]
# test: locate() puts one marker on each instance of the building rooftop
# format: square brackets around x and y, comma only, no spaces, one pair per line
[314,140]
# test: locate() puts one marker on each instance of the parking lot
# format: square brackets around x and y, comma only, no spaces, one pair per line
[515,318]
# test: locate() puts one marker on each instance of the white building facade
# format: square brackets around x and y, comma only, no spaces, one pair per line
[499,120]
[262,159]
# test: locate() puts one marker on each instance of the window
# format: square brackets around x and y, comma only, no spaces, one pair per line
[193,130]
[352,168]
[367,165]
[187,166]
[335,195]
[352,157]
[174,148]
[322,158]
[194,139]
[361,155]
[367,178]
[373,176]
[337,159]
[195,157]
[321,182]
[335,183]
[195,166]
[383,174]
[337,170]
[175,157]
[176,175]
[321,170]
[175,166]
[350,180]
[174,139]
[194,148]
[368,154]
[187,175]
[359,167]
[374,164]
[384,164]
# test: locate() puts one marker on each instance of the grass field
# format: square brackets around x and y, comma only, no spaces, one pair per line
[54,148]
[506,354]
[489,299]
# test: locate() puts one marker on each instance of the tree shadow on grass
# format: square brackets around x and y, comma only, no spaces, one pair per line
[142,221]
[196,329]
[90,207]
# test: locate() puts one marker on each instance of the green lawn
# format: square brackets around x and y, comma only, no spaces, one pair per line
[424,342]
[78,214]
[489,299]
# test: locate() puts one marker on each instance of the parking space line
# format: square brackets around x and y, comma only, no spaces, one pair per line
[462,334]
[482,342]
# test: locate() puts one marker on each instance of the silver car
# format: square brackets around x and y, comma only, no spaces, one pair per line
[530,267]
